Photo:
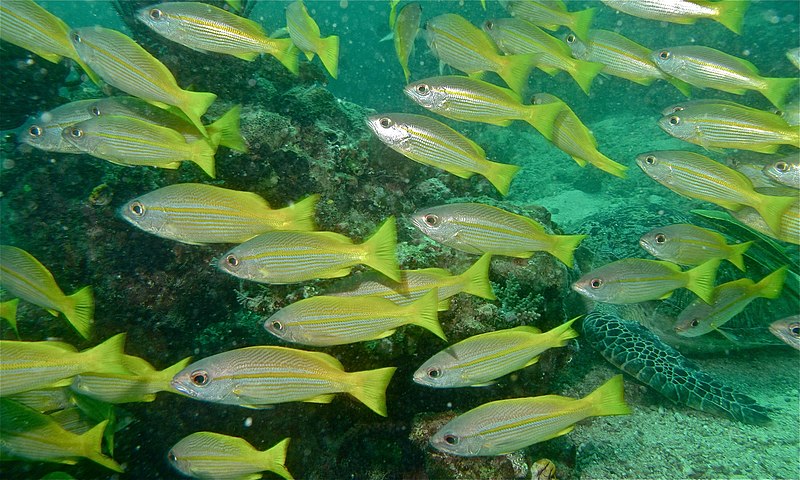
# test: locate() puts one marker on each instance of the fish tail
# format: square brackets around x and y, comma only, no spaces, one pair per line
[426,312]
[165,376]
[736,256]
[500,175]
[195,105]
[683,87]
[329,54]
[203,152]
[771,285]
[80,311]
[516,69]
[564,246]
[228,126]
[380,250]
[772,209]
[607,165]
[8,310]
[582,22]
[286,52]
[369,387]
[583,73]
[274,459]
[776,90]
[731,14]
[543,117]
[477,278]
[701,279]
[109,356]
[562,333]
[91,447]
[609,398]
[300,216]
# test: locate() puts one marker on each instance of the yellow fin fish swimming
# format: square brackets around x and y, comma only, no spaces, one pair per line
[729,13]
[687,244]
[405,30]
[305,34]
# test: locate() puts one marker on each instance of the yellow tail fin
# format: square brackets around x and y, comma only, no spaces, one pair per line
[516,69]
[560,335]
[300,215]
[563,247]
[736,254]
[609,398]
[228,127]
[369,387]
[329,54]
[426,313]
[274,459]
[203,152]
[500,175]
[607,165]
[91,445]
[79,310]
[476,278]
[582,22]
[772,208]
[380,250]
[771,285]
[543,117]
[8,310]
[583,73]
[108,357]
[164,377]
[284,50]
[777,89]
[731,13]
[701,280]
[195,105]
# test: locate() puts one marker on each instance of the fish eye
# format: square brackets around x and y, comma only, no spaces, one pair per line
[674,120]
[794,329]
[76,133]
[451,439]
[571,38]
[535,100]
[171,457]
[431,220]
[232,260]
[96,111]
[423,89]
[660,238]
[385,122]
[664,54]
[137,209]
[76,38]
[695,322]
[276,325]
[596,283]
[155,14]
[489,25]
[650,160]
[35,131]
[199,377]
[780,166]
[434,373]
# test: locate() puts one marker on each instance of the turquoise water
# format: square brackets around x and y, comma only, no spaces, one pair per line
[306,135]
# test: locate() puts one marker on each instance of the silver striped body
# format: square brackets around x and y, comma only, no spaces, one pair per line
[29,365]
[414,284]
[44,131]
[22,276]
[708,68]
[33,28]
[462,45]
[547,14]
[303,30]
[632,280]
[685,244]
[212,455]
[139,109]
[622,57]
[678,11]
[515,36]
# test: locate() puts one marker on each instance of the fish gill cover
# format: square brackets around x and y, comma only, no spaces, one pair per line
[281,132]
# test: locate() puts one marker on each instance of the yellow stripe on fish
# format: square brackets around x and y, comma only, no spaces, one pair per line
[212,455]
[551,14]
[687,244]
[729,13]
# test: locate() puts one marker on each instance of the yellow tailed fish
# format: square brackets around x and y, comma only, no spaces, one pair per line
[785,171]
[206,28]
[729,13]
[34,365]
[33,436]
[572,137]
[788,230]
[122,63]
[550,14]
[730,299]
[431,142]
[479,228]
[463,46]
[8,312]
[256,377]
[634,280]
[405,31]
[212,455]
[132,142]
[687,244]
[323,321]
[393,12]
[705,67]
[481,359]
[505,426]
[197,214]
[21,275]
[788,330]
[291,257]
[46,400]
[305,34]
[697,176]
[515,36]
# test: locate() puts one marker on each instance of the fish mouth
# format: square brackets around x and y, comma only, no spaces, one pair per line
[182,389]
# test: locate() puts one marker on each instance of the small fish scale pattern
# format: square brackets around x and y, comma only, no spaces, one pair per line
[637,351]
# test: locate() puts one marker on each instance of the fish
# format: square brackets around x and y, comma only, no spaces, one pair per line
[687,244]
[140,385]
[45,400]
[405,29]
[393,12]
[550,15]
[790,113]
[572,137]
[788,330]
[705,67]
[465,47]
[729,13]
[634,280]
[122,63]
[729,300]
[479,229]
[8,312]
[324,321]
[697,176]
[794,56]
[479,360]
[431,142]
[681,106]
[199,214]
[515,36]
[256,377]
[44,132]
[788,230]
[291,257]
[131,142]
[210,455]
[716,126]
[34,365]
[23,276]
[206,28]
[621,57]
[504,426]
[33,436]
[472,100]
[785,171]
[416,283]
[305,35]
